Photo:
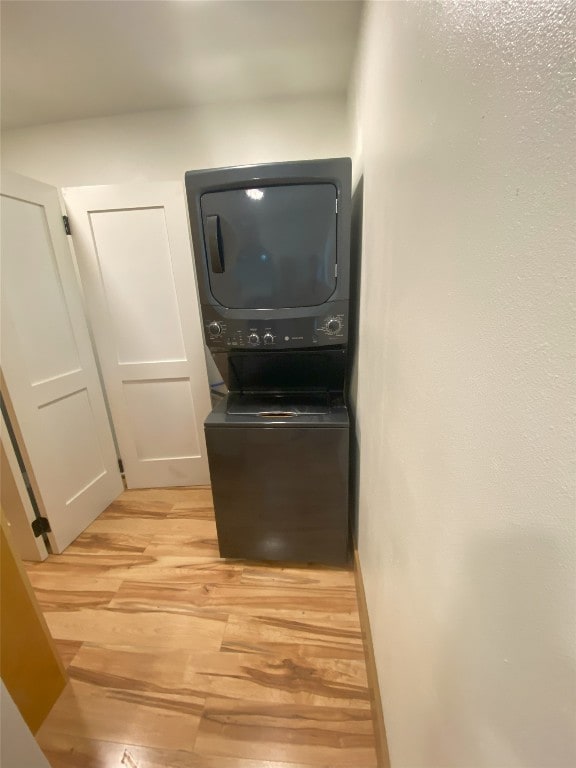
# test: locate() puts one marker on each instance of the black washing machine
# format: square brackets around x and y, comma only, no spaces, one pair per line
[279,470]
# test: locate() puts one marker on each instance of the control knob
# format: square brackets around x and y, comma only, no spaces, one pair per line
[268,338]
[334,325]
[215,328]
[253,338]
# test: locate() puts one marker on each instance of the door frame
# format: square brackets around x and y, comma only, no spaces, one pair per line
[20,513]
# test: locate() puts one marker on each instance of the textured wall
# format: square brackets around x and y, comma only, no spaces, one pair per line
[152,146]
[19,748]
[465,129]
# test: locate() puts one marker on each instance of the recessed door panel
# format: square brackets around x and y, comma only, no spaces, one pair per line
[134,258]
[162,413]
[77,456]
[32,292]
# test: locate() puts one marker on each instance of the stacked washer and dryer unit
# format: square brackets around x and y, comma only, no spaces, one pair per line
[272,254]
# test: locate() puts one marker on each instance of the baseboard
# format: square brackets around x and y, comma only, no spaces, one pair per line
[375,699]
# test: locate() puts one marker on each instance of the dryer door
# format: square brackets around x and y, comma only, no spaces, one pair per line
[271,248]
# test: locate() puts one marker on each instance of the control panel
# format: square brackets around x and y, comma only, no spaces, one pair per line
[328,329]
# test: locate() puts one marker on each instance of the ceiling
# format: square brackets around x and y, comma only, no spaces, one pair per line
[65,60]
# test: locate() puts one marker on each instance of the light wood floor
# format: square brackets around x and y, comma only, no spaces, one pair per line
[178,659]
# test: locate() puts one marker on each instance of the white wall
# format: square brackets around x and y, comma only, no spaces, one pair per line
[163,145]
[18,747]
[467,518]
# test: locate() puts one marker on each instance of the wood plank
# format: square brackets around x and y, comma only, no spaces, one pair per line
[250,676]
[184,570]
[98,565]
[152,502]
[65,751]
[193,495]
[308,635]
[237,598]
[151,628]
[187,510]
[156,670]
[126,506]
[153,526]
[94,543]
[171,569]
[72,599]
[151,509]
[297,733]
[266,575]
[152,719]
[200,544]
[63,582]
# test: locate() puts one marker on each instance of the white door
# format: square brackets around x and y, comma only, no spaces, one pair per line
[48,364]
[135,262]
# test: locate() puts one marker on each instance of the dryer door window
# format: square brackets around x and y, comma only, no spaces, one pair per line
[271,247]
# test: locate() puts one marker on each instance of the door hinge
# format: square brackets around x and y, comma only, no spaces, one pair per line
[121,466]
[40,526]
[66,221]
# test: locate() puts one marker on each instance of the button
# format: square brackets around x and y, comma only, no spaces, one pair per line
[333,325]
[215,328]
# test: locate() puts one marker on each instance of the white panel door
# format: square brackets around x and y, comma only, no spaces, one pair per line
[48,364]
[135,263]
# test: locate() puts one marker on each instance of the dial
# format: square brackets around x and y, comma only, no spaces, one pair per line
[215,328]
[253,338]
[334,325]
[268,338]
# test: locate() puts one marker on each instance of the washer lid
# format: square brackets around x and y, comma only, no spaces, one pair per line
[269,405]
[264,412]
